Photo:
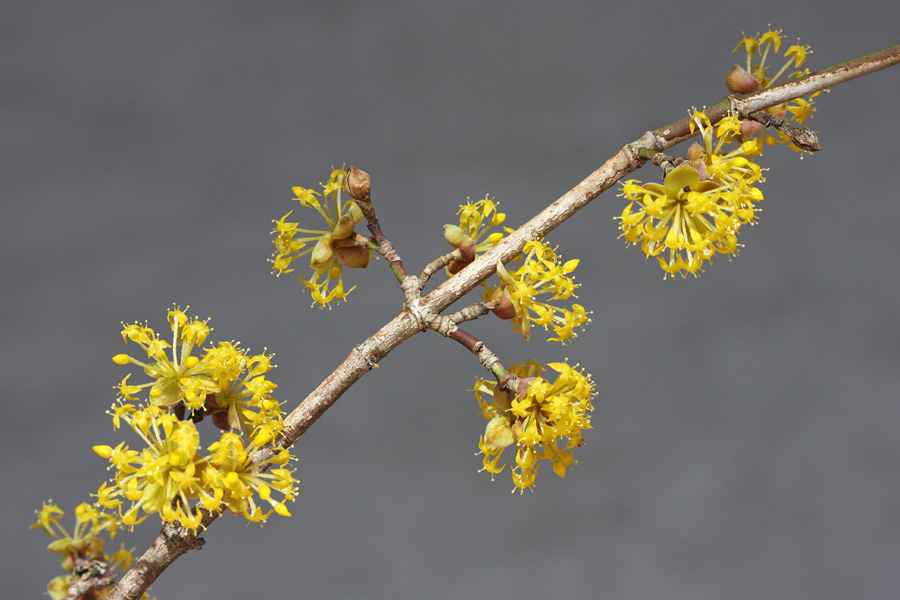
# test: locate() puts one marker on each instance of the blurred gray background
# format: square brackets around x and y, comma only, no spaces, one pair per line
[747,426]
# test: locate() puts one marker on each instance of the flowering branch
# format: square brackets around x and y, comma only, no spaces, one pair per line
[359,185]
[421,313]
[678,131]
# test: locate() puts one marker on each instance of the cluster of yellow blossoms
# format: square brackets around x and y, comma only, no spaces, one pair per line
[704,202]
[330,250]
[526,294]
[89,569]
[170,475]
[757,76]
[471,237]
[543,419]
[542,413]
[538,271]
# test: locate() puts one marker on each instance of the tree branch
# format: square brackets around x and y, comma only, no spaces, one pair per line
[173,541]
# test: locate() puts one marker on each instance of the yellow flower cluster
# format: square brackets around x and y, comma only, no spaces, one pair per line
[83,557]
[471,236]
[538,271]
[724,167]
[536,418]
[329,250]
[704,202]
[184,377]
[223,382]
[170,475]
[757,76]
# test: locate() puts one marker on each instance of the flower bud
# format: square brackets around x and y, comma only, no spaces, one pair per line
[358,184]
[265,492]
[559,467]
[695,152]
[505,309]
[454,235]
[262,438]
[467,249]
[739,81]
[456,266]
[749,129]
[523,385]
[805,139]
[103,451]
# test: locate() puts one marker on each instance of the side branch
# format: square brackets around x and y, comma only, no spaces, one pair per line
[677,132]
[359,185]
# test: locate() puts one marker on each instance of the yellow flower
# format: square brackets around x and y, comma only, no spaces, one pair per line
[48,518]
[758,48]
[82,550]
[684,216]
[728,168]
[544,420]
[704,202]
[162,472]
[181,378]
[329,250]
[225,382]
[170,476]
[537,272]
[243,400]
[471,236]
[232,478]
